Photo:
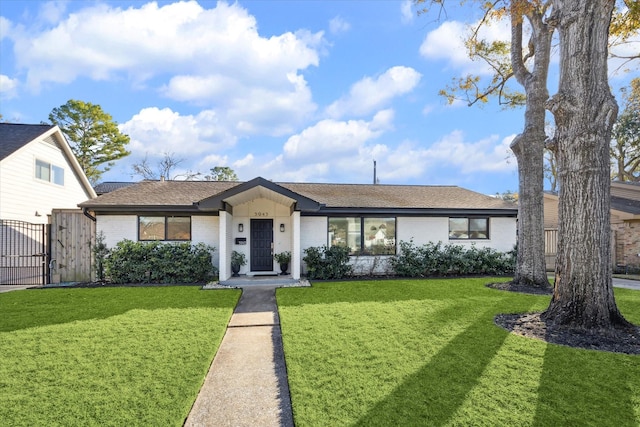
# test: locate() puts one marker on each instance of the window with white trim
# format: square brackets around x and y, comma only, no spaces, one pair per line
[46,171]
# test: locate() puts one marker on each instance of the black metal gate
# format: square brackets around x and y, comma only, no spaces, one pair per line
[23,253]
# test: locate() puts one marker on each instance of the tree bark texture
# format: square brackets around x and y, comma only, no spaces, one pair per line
[528,148]
[584,111]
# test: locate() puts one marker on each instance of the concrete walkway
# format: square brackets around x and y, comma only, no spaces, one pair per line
[247,382]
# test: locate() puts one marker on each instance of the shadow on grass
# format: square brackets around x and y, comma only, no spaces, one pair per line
[580,387]
[387,291]
[33,308]
[433,395]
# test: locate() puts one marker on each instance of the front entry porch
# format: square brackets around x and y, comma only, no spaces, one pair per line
[258,219]
[261,280]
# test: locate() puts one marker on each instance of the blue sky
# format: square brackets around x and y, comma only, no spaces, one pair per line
[304,91]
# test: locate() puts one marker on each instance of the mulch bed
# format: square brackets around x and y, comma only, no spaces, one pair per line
[531,325]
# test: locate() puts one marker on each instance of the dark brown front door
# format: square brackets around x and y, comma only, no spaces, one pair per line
[261,245]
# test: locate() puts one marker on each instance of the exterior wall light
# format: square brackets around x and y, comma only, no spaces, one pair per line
[282,228]
[240,227]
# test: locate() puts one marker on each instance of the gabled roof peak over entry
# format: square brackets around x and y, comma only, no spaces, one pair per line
[258,188]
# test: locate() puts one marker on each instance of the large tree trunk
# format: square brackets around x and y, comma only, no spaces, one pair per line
[585,111]
[528,148]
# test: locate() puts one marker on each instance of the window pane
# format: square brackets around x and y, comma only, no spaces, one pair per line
[42,170]
[380,236]
[458,228]
[178,228]
[478,228]
[345,232]
[151,228]
[58,175]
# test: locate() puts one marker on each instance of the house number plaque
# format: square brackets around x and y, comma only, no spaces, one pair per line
[260,214]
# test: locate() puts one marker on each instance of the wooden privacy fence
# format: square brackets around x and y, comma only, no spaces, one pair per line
[73,236]
[551,245]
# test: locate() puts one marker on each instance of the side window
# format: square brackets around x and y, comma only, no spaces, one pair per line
[468,228]
[164,228]
[45,171]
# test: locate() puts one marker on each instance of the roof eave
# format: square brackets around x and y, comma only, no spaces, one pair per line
[507,212]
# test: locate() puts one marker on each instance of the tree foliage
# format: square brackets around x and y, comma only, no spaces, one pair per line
[478,89]
[625,145]
[93,135]
[584,112]
[221,173]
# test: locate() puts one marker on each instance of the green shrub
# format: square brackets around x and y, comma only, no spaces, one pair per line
[100,253]
[436,259]
[156,262]
[326,263]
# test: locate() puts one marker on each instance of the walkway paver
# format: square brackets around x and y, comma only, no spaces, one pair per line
[247,382]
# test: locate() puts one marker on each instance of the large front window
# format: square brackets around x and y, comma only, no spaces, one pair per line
[364,236]
[164,228]
[468,228]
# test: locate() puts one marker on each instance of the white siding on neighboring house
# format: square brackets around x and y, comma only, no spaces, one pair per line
[23,194]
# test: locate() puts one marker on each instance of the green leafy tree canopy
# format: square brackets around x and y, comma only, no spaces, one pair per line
[221,173]
[93,135]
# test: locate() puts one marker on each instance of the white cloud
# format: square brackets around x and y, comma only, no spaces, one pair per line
[180,38]
[407,14]
[370,94]
[619,66]
[329,139]
[213,57]
[486,155]
[338,25]
[428,109]
[6,28]
[8,86]
[447,43]
[52,11]
[157,131]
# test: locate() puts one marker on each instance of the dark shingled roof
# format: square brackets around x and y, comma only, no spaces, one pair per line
[109,186]
[14,136]
[183,194]
[625,205]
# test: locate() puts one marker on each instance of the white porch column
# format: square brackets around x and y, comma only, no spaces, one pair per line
[296,255]
[226,221]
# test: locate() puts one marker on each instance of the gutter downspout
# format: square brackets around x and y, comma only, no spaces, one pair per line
[86,213]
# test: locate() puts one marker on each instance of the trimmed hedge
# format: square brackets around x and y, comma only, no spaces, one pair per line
[325,263]
[436,259]
[156,262]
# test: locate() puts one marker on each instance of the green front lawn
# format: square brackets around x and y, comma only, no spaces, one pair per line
[427,353]
[108,356]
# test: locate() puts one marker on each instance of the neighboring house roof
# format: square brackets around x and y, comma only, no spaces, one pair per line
[312,198]
[14,136]
[109,186]
[625,201]
[625,205]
